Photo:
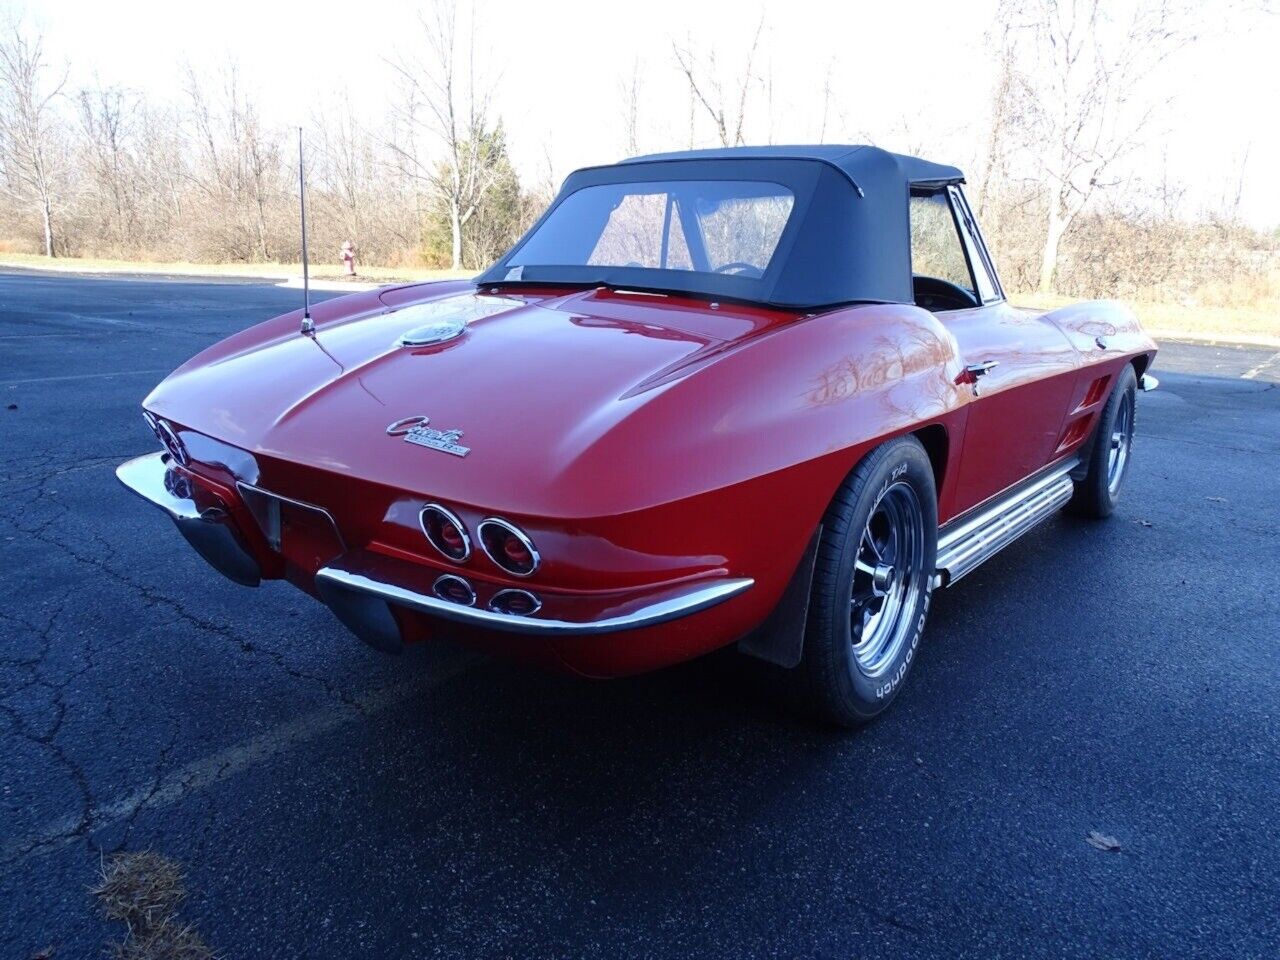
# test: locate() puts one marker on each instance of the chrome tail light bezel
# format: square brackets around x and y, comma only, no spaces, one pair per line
[168,438]
[442,582]
[501,561]
[452,518]
[497,605]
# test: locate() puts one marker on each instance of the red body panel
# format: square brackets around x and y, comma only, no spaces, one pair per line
[639,440]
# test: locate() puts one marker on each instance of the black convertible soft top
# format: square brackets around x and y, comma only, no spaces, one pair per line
[848,239]
[857,161]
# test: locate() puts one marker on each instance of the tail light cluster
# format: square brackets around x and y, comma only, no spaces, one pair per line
[505,544]
[168,437]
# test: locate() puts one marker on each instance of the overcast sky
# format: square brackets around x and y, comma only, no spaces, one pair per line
[902,73]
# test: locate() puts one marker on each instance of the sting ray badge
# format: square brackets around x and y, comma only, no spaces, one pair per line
[417,430]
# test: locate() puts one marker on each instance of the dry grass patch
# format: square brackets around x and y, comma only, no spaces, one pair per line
[1254,323]
[266,271]
[144,891]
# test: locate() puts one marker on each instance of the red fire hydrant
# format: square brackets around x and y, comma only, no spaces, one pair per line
[349,258]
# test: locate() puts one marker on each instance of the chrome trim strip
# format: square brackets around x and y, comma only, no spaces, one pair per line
[673,607]
[241,487]
[454,519]
[1147,382]
[975,539]
[955,527]
[519,534]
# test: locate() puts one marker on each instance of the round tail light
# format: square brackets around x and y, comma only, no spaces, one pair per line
[445,532]
[508,547]
[454,589]
[169,437]
[153,423]
[516,603]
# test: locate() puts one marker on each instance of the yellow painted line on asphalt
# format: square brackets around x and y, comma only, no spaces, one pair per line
[209,771]
[1265,365]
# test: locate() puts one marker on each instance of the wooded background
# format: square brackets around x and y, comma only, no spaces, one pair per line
[195,174]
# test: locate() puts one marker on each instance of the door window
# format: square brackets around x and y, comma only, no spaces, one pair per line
[936,250]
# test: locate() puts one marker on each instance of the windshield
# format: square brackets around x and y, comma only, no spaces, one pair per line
[729,227]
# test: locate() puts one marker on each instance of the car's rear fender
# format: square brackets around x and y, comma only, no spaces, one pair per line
[763,435]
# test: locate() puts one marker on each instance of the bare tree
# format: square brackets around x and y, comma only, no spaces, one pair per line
[826,101]
[345,170]
[707,91]
[240,168]
[28,128]
[107,122]
[629,92]
[1007,108]
[1082,70]
[443,101]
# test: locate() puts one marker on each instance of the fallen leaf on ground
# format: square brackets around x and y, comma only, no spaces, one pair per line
[1102,841]
[1216,499]
[1144,523]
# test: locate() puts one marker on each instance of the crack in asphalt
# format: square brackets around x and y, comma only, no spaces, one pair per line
[33,485]
[151,597]
[1253,451]
[205,772]
[47,739]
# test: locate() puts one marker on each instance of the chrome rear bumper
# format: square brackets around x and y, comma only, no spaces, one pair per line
[208,530]
[362,587]
[361,590]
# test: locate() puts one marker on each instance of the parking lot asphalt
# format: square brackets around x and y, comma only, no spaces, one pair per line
[325,800]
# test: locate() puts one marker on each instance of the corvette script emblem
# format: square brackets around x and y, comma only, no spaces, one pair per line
[417,430]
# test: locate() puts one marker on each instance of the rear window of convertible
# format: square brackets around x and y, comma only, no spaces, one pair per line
[729,227]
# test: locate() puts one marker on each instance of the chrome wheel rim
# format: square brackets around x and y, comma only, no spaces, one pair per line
[886,579]
[1121,442]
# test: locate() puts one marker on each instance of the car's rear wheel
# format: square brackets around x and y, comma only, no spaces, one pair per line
[1098,492]
[871,584]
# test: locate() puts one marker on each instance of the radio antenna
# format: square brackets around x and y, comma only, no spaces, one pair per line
[308,325]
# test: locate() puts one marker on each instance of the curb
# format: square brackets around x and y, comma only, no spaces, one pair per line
[1257,341]
[352,286]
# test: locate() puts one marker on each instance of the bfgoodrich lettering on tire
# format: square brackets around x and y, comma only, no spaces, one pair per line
[871,585]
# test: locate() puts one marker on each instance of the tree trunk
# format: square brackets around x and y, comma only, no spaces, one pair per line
[455,227]
[262,229]
[48,227]
[1057,226]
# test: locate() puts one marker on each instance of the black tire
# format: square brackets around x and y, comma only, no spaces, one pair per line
[844,677]
[1110,452]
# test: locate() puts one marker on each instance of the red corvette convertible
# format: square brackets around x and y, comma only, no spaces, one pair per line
[770,397]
